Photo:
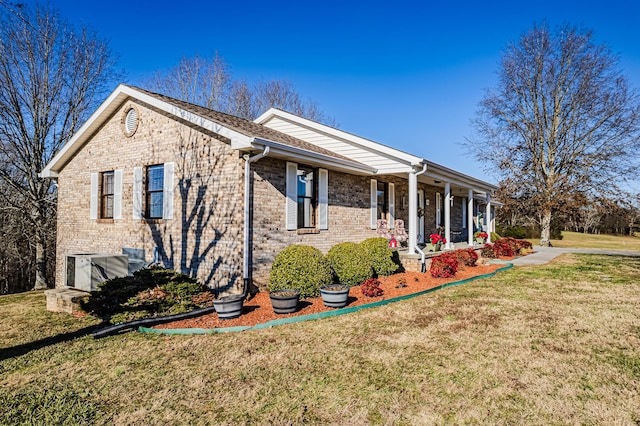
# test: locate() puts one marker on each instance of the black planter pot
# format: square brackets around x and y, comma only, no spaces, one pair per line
[229,307]
[284,301]
[335,295]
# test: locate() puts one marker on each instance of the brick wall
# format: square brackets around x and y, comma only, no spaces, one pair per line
[205,236]
[349,214]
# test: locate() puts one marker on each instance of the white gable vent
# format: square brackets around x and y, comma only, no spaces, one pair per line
[130,121]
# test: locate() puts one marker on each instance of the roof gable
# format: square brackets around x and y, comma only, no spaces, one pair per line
[243,134]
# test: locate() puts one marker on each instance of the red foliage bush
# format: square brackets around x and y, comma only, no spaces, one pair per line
[444,266]
[505,247]
[488,252]
[371,287]
[468,256]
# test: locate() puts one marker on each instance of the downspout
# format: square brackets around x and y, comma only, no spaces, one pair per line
[247,215]
[418,249]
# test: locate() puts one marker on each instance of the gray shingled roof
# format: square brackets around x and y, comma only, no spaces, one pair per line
[246,127]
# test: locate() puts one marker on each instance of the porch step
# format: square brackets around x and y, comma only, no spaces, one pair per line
[64,299]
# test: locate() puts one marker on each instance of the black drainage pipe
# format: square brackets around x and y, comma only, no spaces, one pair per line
[150,322]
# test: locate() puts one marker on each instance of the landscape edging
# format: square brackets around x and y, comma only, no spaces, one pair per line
[315,316]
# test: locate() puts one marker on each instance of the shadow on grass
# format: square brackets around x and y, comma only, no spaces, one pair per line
[25,348]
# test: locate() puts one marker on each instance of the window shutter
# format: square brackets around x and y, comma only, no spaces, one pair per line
[323,199]
[438,207]
[464,212]
[117,194]
[374,204]
[167,196]
[93,200]
[137,193]
[392,206]
[291,212]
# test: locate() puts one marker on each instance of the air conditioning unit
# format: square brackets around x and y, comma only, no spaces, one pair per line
[86,270]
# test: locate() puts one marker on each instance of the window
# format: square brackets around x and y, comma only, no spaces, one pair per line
[307,200]
[106,195]
[382,197]
[105,200]
[155,191]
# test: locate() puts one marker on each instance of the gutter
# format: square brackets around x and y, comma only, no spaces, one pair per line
[418,249]
[247,215]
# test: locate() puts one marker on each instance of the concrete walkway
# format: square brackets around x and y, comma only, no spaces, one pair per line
[543,255]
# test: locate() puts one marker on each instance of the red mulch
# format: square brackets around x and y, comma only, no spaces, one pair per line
[258,309]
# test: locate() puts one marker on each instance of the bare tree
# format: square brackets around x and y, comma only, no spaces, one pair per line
[201,81]
[208,82]
[51,77]
[562,119]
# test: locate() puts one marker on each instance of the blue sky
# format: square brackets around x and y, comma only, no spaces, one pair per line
[406,74]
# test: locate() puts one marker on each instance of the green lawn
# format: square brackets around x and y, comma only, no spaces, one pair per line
[604,242]
[554,344]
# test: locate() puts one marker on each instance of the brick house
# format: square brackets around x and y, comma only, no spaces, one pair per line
[217,196]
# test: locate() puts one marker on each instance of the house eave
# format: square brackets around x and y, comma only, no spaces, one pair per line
[285,151]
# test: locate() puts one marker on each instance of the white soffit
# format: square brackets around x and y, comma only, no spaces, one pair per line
[380,157]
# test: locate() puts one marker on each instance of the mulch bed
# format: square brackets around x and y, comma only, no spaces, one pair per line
[258,309]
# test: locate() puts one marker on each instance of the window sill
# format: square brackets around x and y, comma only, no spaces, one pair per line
[105,221]
[152,221]
[305,231]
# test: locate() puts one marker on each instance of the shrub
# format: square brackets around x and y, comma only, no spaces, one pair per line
[514,232]
[506,246]
[495,236]
[523,246]
[488,252]
[371,288]
[467,257]
[350,263]
[300,267]
[148,293]
[444,266]
[382,259]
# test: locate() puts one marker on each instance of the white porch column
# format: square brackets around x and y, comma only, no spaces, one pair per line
[488,217]
[447,213]
[413,211]
[470,218]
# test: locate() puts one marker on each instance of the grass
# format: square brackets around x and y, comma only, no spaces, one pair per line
[595,241]
[555,344]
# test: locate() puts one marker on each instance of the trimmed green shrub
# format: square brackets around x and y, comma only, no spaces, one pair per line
[150,292]
[350,263]
[300,267]
[383,260]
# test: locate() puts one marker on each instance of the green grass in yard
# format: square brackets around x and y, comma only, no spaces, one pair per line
[557,343]
[598,241]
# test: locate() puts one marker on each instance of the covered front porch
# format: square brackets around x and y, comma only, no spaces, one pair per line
[431,200]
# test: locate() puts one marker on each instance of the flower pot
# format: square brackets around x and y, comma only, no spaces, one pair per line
[229,307]
[434,247]
[284,301]
[335,295]
[479,240]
